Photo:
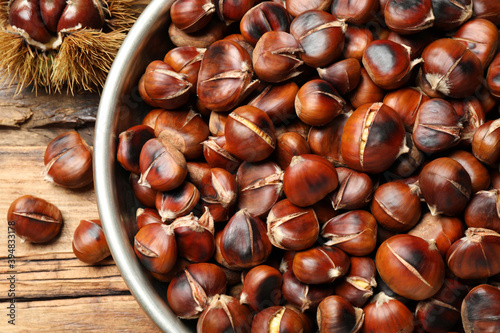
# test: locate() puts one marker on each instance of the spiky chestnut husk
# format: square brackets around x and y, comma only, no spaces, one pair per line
[80,60]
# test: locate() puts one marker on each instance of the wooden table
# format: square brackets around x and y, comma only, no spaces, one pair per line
[53,290]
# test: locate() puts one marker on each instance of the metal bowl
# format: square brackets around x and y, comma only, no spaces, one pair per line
[120,108]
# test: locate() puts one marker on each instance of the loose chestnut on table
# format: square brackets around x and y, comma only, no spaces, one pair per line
[89,242]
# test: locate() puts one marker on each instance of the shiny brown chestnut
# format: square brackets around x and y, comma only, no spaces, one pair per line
[396,206]
[276,57]
[191,15]
[26,16]
[493,77]
[320,35]
[357,286]
[450,14]
[163,167]
[355,190]
[91,15]
[343,75]
[481,37]
[190,291]
[218,190]
[366,91]
[336,314]
[145,216]
[259,186]
[473,116]
[218,157]
[297,7]
[290,227]
[130,144]
[186,60]
[185,130]
[408,18]
[485,141]
[224,314]
[308,179]
[478,173]
[320,264]
[317,103]
[445,186]
[444,230]
[217,122]
[34,219]
[261,287]
[355,12]
[480,309]
[387,314]
[416,42]
[225,77]
[195,237]
[203,38]
[354,232]
[145,195]
[165,87]
[388,63]
[326,140]
[277,100]
[475,256]
[250,134]
[411,266]
[89,243]
[278,319]
[243,241]
[155,246]
[483,210]
[288,145]
[373,138]
[356,40]
[294,125]
[177,202]
[451,68]
[406,102]
[232,10]
[264,17]
[407,163]
[68,161]
[150,117]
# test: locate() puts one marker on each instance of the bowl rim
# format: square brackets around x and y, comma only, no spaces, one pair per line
[118,239]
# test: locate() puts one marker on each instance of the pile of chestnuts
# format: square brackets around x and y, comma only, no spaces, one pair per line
[323,165]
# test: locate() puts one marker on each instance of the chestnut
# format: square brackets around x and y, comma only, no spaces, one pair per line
[487,10]
[480,36]
[366,91]
[195,237]
[355,190]
[196,172]
[277,100]
[485,145]
[388,63]
[411,266]
[288,145]
[155,246]
[217,122]
[261,287]
[259,186]
[407,163]
[416,42]
[278,318]
[130,144]
[320,35]
[373,138]
[478,173]
[191,15]
[354,232]
[473,116]
[243,241]
[225,77]
[396,206]
[408,18]
[218,192]
[445,186]
[89,242]
[317,103]
[387,314]
[480,309]
[294,125]
[232,10]
[493,77]
[264,17]
[165,87]
[26,16]
[336,314]
[163,167]
[68,161]
[437,126]
[203,38]
[476,255]
[177,202]
[91,15]
[449,14]
[34,219]
[483,210]
[320,264]
[145,195]
[185,130]
[250,134]
[276,57]
[355,12]
[356,40]
[145,216]
[451,68]
[308,179]
[297,7]
[224,314]
[406,102]
[216,156]
[357,286]
[290,227]
[150,117]
[444,230]
[343,75]
[191,290]
[326,140]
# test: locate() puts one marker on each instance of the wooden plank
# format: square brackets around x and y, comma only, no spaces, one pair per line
[96,314]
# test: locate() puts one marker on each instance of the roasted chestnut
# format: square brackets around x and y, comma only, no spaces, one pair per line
[355,190]
[406,102]
[355,12]
[483,210]
[357,39]
[177,202]
[357,286]
[191,15]
[155,246]
[281,318]
[336,314]
[480,309]
[485,145]
[493,76]
[478,173]
[264,17]
[145,216]
[366,91]
[343,75]
[480,36]
[130,145]
[449,14]
[320,264]
[218,191]
[288,145]
[387,314]
[261,287]
[216,156]
[297,7]
[224,314]
[277,100]
[408,18]
[89,243]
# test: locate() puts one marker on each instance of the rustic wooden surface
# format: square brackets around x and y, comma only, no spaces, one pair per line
[54,291]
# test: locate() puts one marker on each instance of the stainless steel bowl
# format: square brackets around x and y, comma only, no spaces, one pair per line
[120,108]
